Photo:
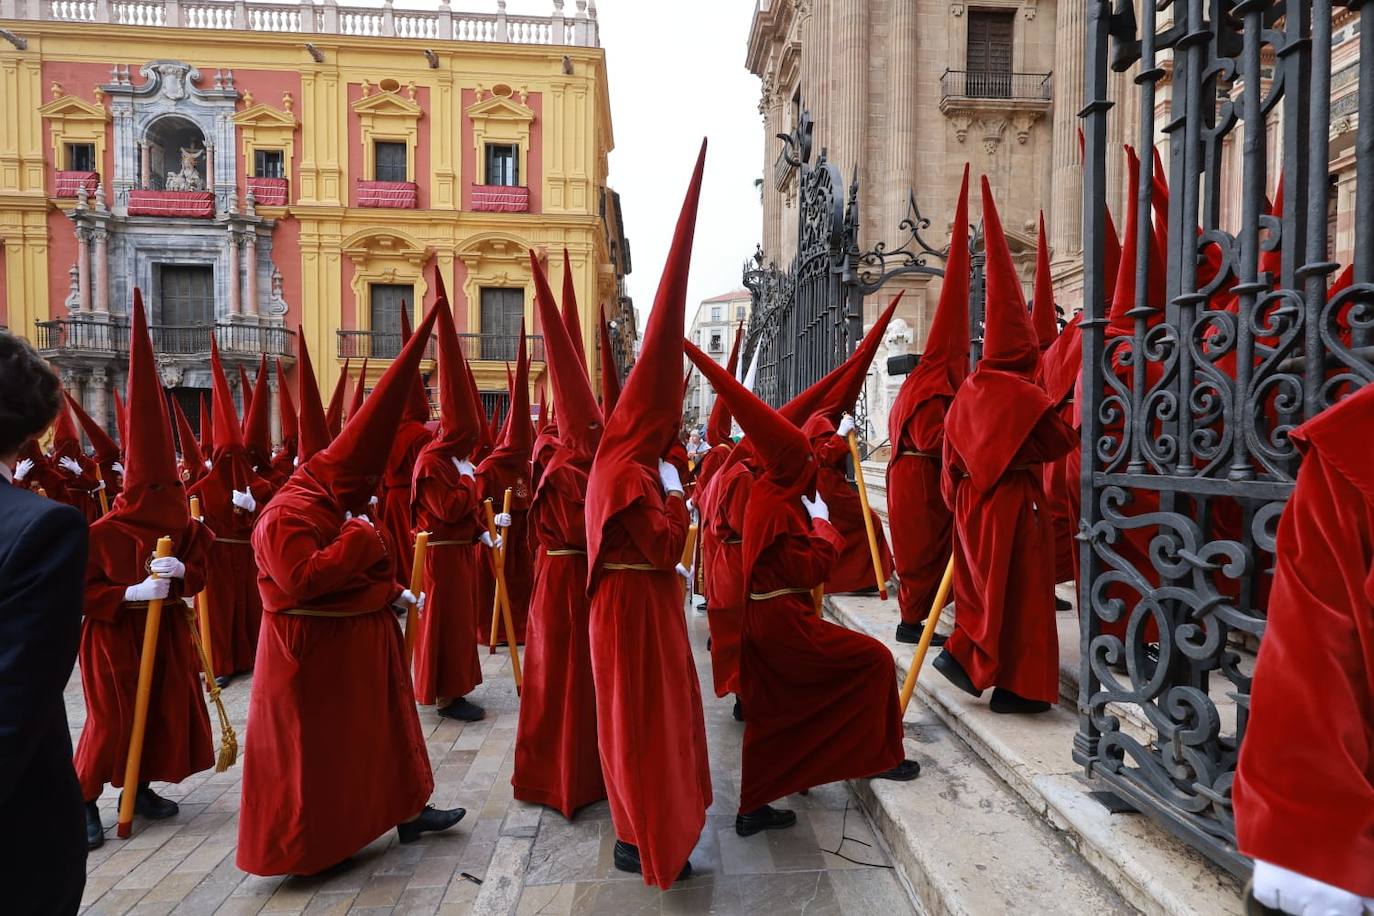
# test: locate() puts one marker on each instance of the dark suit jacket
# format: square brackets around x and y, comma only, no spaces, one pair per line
[42,579]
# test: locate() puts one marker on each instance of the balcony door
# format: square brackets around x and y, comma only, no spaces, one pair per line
[188,308]
[386,317]
[502,311]
[989,53]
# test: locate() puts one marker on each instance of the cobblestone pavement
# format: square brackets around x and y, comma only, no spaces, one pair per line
[528,860]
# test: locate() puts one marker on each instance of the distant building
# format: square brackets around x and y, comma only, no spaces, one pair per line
[713,329]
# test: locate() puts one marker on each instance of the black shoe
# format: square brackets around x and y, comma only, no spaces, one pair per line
[866,590]
[708,644]
[463,711]
[1061,605]
[739,711]
[431,820]
[1008,703]
[910,633]
[905,771]
[765,818]
[149,804]
[626,859]
[224,680]
[95,831]
[954,672]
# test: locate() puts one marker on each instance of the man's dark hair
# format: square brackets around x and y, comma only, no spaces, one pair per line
[30,393]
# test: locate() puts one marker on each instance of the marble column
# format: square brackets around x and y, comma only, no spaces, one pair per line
[274,406]
[98,401]
[771,110]
[83,267]
[849,53]
[901,132]
[233,278]
[210,167]
[145,165]
[816,73]
[1066,206]
[250,268]
[101,299]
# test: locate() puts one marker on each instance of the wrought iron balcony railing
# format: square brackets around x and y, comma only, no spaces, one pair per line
[384,345]
[994,84]
[111,337]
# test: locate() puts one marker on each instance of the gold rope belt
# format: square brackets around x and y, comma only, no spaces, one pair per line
[643,567]
[733,541]
[220,540]
[451,543]
[571,552]
[914,453]
[309,612]
[136,605]
[778,593]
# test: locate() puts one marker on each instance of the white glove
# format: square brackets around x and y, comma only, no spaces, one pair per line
[1281,889]
[70,465]
[684,572]
[243,499]
[296,462]
[207,464]
[372,501]
[349,516]
[503,520]
[117,468]
[690,505]
[846,426]
[486,538]
[21,470]
[816,507]
[99,485]
[407,598]
[465,468]
[148,589]
[669,477]
[168,567]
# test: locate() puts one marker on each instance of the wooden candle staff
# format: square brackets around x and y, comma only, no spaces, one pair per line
[868,516]
[493,631]
[151,626]
[104,498]
[202,600]
[688,552]
[503,598]
[417,584]
[927,634]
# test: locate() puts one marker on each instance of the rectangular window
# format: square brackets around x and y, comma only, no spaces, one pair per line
[739,313]
[716,345]
[715,313]
[81,157]
[989,53]
[391,161]
[188,295]
[502,310]
[269,163]
[385,302]
[495,404]
[503,165]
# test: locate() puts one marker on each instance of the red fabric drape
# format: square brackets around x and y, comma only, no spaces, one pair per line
[922,525]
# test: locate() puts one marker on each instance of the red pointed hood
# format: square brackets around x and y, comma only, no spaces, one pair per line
[333,417]
[1043,316]
[460,425]
[225,424]
[207,427]
[286,408]
[645,422]
[153,500]
[417,408]
[1111,245]
[313,424]
[508,464]
[66,441]
[718,425]
[581,428]
[352,465]
[572,323]
[1120,322]
[257,426]
[1009,341]
[106,449]
[944,359]
[359,391]
[246,387]
[610,373]
[834,395]
[192,462]
[121,415]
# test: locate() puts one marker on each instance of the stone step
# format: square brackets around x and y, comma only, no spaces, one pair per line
[1146,866]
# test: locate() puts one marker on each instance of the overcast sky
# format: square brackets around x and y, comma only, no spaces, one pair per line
[677,74]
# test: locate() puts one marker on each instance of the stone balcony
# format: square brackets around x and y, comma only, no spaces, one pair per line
[325,18]
[108,337]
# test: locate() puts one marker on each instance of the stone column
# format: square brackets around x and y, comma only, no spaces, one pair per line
[901,134]
[274,411]
[771,109]
[145,165]
[815,69]
[250,267]
[233,278]
[83,267]
[98,401]
[1066,203]
[209,166]
[101,299]
[849,53]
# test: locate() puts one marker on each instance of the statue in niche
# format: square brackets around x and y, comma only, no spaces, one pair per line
[188,179]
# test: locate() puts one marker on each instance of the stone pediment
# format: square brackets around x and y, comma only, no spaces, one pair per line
[71,108]
[388,104]
[500,108]
[264,115]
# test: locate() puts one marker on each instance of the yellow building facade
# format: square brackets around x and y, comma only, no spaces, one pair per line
[258,167]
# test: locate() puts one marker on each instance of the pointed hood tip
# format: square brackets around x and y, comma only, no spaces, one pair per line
[1009,341]
[581,422]
[460,423]
[1043,314]
[312,422]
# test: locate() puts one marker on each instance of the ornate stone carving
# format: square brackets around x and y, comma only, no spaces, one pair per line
[993,128]
[1022,123]
[961,120]
[173,77]
[73,301]
[276,301]
[188,179]
[170,374]
[956,10]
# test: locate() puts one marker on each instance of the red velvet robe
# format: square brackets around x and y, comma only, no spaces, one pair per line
[820,699]
[556,758]
[1304,788]
[853,567]
[922,525]
[1005,633]
[79,490]
[395,499]
[446,504]
[231,577]
[335,754]
[177,743]
[651,728]
[722,534]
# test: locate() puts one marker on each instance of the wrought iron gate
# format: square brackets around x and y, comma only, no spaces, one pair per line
[1186,419]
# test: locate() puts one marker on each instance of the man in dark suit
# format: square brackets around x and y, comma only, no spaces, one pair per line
[42,574]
